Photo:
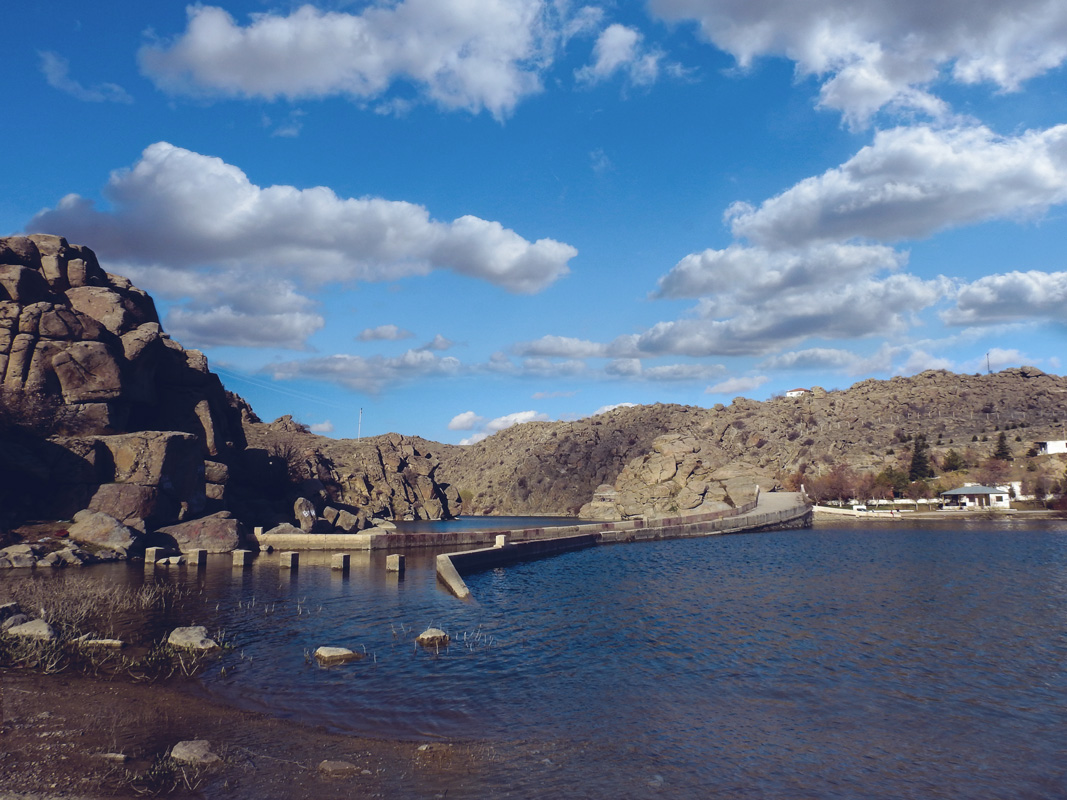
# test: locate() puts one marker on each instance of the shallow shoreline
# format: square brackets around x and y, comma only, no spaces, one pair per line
[53,729]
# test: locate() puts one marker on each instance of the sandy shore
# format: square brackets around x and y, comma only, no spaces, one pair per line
[54,730]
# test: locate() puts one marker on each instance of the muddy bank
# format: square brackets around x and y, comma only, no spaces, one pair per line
[54,730]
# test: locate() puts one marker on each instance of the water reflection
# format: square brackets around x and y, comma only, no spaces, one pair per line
[873,662]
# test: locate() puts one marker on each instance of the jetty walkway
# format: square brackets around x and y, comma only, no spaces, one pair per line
[769,511]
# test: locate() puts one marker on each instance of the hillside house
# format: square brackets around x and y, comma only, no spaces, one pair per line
[797,393]
[1048,448]
[976,496]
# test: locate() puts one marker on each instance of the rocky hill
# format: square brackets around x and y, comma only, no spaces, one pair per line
[719,454]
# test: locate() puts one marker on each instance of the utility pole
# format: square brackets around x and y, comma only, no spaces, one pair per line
[359,426]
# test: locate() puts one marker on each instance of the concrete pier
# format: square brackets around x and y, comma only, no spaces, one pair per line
[394,563]
[242,558]
[340,561]
[290,559]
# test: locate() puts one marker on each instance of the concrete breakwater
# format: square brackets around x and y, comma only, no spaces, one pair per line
[768,509]
[768,512]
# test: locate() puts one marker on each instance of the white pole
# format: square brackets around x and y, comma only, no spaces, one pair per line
[359,426]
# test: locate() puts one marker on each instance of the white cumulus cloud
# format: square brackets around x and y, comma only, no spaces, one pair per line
[457,53]
[466,421]
[1011,297]
[189,225]
[871,54]
[619,49]
[912,182]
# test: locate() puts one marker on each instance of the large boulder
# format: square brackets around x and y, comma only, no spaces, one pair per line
[102,530]
[217,533]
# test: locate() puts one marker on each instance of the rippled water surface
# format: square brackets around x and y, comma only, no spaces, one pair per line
[881,662]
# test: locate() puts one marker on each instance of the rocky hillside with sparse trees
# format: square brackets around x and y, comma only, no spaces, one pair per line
[861,438]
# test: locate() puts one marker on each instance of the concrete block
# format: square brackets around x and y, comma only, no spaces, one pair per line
[242,558]
[394,563]
[197,558]
[340,561]
[152,555]
[501,540]
[290,559]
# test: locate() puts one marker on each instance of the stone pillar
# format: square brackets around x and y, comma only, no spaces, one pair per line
[501,540]
[197,558]
[152,555]
[339,561]
[258,530]
[242,558]
[290,559]
[394,563]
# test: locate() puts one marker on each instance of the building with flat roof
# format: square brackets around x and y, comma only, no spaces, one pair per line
[976,496]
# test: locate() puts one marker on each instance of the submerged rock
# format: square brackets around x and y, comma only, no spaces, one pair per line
[328,656]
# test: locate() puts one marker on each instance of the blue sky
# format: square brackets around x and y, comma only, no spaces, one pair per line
[458,215]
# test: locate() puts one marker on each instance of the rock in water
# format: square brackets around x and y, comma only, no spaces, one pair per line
[433,637]
[327,656]
[194,638]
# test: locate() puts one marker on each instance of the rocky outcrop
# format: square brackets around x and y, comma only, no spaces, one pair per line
[677,477]
[100,408]
[101,530]
[218,533]
[344,485]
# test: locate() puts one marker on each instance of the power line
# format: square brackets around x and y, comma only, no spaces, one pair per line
[278,390]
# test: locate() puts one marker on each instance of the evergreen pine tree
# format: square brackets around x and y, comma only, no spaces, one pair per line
[920,459]
[1003,452]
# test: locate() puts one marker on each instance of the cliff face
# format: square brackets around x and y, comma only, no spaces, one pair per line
[390,477]
[100,410]
[85,364]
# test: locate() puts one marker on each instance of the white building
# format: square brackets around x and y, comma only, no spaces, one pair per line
[1048,448]
[796,393]
[975,496]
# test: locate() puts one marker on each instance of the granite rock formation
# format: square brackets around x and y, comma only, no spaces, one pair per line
[100,408]
[679,476]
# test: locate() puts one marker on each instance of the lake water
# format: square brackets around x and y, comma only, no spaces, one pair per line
[886,661]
